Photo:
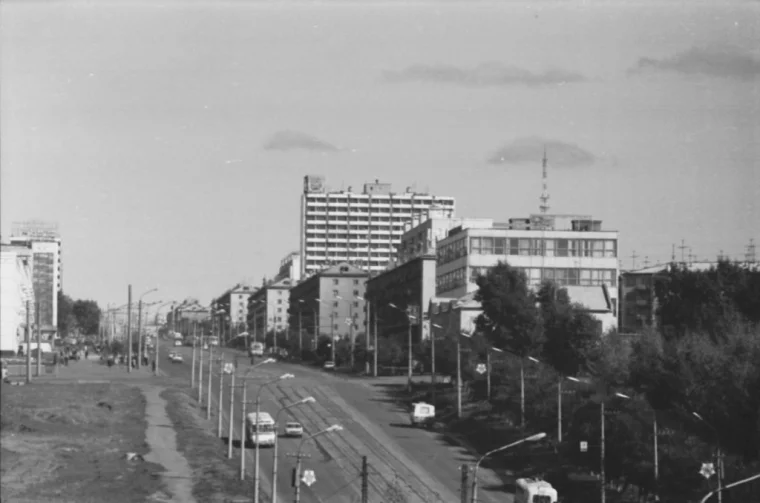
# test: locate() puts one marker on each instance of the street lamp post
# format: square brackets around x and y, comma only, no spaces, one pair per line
[409,319]
[256,467]
[299,455]
[129,329]
[532,438]
[139,327]
[432,360]
[308,399]
[719,454]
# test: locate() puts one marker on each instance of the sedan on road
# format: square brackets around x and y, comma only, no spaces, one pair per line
[177,358]
[293,429]
[329,365]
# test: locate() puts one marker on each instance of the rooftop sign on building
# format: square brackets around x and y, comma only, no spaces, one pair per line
[35,229]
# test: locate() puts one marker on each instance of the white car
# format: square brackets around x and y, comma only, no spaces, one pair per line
[172,354]
[329,365]
[293,429]
[228,368]
[177,342]
[177,358]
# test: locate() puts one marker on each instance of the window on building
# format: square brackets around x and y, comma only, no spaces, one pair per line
[524,245]
[610,250]
[356,282]
[279,318]
[475,246]
[335,304]
[335,281]
[279,301]
[279,309]
[562,248]
[486,246]
[335,326]
[499,246]
[356,292]
[335,293]
[356,303]
[514,246]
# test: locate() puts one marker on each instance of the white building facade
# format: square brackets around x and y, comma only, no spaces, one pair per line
[571,251]
[363,229]
[16,288]
[290,267]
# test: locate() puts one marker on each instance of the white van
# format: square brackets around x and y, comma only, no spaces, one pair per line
[260,429]
[534,491]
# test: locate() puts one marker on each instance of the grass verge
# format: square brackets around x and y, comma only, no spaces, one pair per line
[216,479]
[68,443]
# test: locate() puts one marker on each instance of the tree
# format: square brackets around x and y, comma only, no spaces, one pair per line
[65,313]
[509,318]
[87,314]
[570,332]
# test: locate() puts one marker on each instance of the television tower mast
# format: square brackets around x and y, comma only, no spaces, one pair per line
[545,192]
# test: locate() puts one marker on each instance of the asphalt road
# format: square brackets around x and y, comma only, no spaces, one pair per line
[409,465]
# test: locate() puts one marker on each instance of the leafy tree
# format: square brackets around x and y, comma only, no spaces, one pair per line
[570,332]
[87,314]
[65,313]
[509,318]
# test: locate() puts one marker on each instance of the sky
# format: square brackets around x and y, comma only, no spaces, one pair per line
[169,139]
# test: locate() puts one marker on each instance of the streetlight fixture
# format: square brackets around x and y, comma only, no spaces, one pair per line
[308,399]
[256,467]
[532,438]
[409,319]
[335,427]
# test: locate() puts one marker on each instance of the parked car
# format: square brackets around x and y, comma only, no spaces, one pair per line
[228,368]
[172,354]
[329,365]
[293,429]
[177,358]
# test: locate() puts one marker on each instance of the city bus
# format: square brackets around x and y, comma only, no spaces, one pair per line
[260,429]
[257,349]
[534,491]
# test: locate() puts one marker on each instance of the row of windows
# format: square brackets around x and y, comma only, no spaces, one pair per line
[561,276]
[316,198]
[528,247]
[451,280]
[356,282]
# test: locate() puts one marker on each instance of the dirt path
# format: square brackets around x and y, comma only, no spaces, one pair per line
[162,440]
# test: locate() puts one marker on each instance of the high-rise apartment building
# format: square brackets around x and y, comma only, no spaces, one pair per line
[363,229]
[45,243]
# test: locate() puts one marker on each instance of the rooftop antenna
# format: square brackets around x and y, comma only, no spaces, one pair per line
[682,248]
[673,252]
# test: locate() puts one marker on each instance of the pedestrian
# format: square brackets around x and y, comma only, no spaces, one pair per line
[86,353]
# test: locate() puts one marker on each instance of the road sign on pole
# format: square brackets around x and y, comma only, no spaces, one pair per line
[584,446]
[481,368]
[348,321]
[308,477]
[707,470]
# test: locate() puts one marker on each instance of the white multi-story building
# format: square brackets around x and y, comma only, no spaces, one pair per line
[268,307]
[16,294]
[363,229]
[422,233]
[572,251]
[44,241]
[290,267]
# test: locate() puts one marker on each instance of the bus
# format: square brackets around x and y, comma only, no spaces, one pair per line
[534,491]
[257,349]
[260,429]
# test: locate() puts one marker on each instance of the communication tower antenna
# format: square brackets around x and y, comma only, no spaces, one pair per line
[750,255]
[545,188]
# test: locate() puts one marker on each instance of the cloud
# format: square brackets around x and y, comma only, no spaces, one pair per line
[727,62]
[293,140]
[485,75]
[531,150]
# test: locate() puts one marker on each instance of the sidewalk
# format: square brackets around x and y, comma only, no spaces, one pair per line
[94,370]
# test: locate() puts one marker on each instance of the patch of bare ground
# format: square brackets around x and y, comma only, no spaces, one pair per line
[68,443]
[216,479]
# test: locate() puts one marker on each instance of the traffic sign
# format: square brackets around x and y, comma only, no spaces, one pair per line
[481,368]
[308,477]
[707,470]
[584,446]
[348,321]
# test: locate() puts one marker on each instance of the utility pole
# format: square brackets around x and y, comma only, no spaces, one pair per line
[488,374]
[365,480]
[231,426]
[200,375]
[374,371]
[210,374]
[300,334]
[129,329]
[243,433]
[332,335]
[158,339]
[366,342]
[28,345]
[316,330]
[409,351]
[351,330]
[39,338]
[682,248]
[139,333]
[192,368]
[601,456]
[219,398]
[297,474]
[463,491]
